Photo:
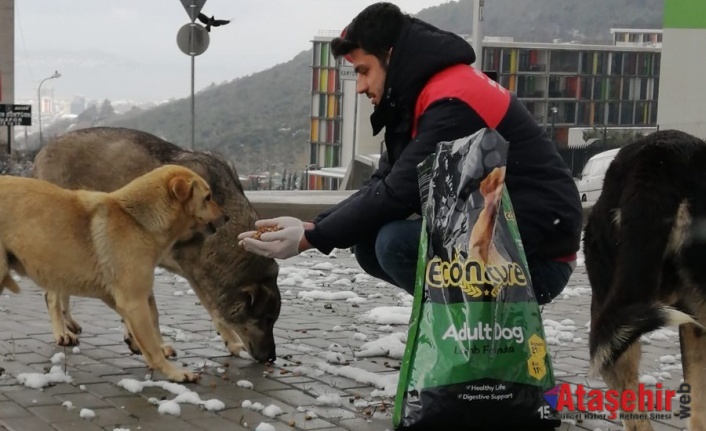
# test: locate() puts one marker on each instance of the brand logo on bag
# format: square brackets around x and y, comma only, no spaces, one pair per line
[474,277]
[484,331]
[645,403]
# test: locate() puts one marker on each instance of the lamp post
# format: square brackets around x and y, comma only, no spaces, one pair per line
[553,111]
[39,105]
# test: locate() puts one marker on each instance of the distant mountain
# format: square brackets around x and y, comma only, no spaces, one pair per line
[262,120]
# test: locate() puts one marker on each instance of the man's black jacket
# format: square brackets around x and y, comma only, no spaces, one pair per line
[433,95]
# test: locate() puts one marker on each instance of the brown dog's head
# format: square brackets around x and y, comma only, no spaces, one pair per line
[253,312]
[194,194]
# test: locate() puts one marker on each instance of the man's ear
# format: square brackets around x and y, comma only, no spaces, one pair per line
[181,188]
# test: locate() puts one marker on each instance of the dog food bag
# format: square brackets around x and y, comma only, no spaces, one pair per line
[476,355]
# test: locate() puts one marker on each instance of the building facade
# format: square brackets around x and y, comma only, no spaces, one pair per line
[576,85]
[564,85]
[7,59]
[340,128]
[683,96]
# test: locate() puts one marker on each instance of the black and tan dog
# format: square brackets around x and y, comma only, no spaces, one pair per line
[104,245]
[645,249]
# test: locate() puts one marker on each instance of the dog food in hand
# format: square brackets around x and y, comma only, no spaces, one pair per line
[264,229]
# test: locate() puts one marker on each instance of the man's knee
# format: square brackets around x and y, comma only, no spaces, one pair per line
[549,278]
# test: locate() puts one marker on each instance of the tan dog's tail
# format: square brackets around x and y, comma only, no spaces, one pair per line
[7,280]
[10,283]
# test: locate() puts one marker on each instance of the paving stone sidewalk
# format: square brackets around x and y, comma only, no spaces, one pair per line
[304,334]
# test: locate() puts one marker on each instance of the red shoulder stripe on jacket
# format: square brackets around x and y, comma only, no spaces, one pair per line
[488,98]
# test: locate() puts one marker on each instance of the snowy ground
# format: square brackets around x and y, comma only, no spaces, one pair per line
[340,339]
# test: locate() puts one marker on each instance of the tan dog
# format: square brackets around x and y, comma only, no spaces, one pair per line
[104,245]
[480,244]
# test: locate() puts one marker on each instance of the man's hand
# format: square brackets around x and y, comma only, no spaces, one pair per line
[280,244]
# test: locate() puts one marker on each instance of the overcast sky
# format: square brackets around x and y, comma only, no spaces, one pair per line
[126,49]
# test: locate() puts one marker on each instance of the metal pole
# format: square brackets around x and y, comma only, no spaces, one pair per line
[193,121]
[477,32]
[39,111]
[9,139]
[193,68]
[39,105]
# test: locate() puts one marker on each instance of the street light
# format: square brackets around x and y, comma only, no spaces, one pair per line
[553,110]
[39,104]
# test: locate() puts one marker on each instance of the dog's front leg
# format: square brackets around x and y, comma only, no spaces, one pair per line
[693,357]
[167,349]
[623,376]
[136,313]
[229,337]
[69,321]
[62,335]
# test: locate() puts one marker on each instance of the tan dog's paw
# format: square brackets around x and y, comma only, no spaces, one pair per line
[68,338]
[234,347]
[180,375]
[132,345]
[168,351]
[73,326]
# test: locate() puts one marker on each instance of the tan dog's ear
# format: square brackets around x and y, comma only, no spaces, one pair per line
[181,188]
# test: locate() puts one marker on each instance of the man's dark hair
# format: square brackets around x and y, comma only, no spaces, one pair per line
[375,30]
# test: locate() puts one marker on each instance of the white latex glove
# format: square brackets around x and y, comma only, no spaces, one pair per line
[281,244]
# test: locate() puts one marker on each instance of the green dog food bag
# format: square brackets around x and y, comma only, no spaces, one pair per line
[476,356]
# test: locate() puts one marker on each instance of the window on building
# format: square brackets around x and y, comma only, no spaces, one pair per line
[599,88]
[314,154]
[583,114]
[626,113]
[630,88]
[527,86]
[642,84]
[523,60]
[616,63]
[316,61]
[613,113]
[641,113]
[314,130]
[601,63]
[599,113]
[655,88]
[586,59]
[564,61]
[643,64]
[538,111]
[585,87]
[630,63]
[614,88]
[324,55]
[337,131]
[322,105]
[653,113]
[491,59]
[315,81]
[505,65]
[563,87]
[656,63]
[505,81]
